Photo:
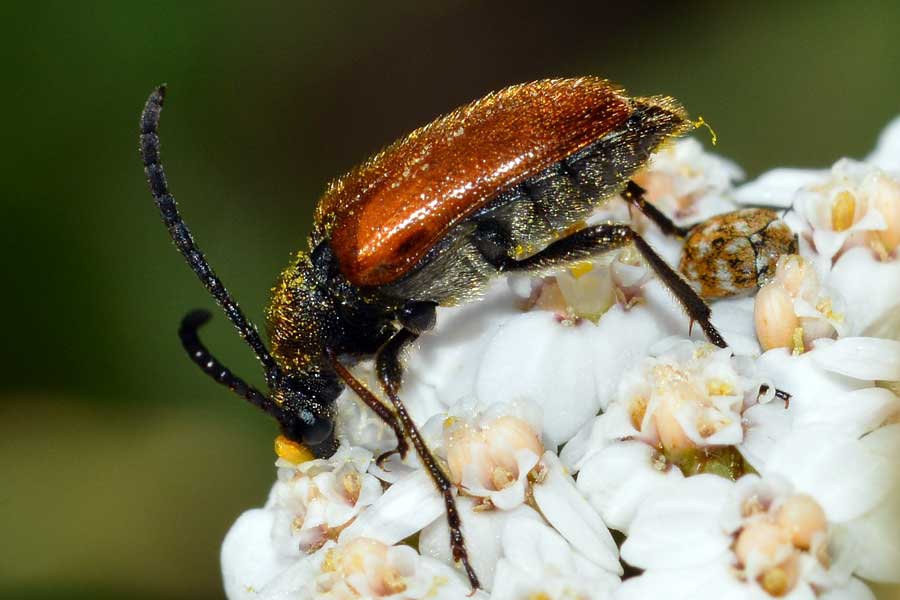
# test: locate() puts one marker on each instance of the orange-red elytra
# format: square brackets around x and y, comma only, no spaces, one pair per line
[500,185]
[387,213]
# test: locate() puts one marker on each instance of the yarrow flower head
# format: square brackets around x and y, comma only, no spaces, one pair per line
[491,456]
[795,532]
[793,310]
[564,406]
[857,205]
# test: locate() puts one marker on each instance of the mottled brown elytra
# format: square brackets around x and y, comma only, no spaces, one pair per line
[735,253]
[500,185]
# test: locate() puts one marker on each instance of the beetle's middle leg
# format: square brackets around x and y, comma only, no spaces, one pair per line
[492,241]
[390,374]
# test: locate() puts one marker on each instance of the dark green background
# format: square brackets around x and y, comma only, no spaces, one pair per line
[121,466]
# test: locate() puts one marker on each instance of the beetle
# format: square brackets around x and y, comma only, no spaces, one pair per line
[497,186]
[735,253]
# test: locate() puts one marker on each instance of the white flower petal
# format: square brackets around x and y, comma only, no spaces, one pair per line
[777,187]
[616,480]
[869,287]
[855,413]
[877,535]
[734,319]
[764,425]
[572,516]
[563,389]
[803,378]
[610,427]
[844,477]
[861,358]
[532,546]
[877,532]
[405,508]
[884,441]
[853,590]
[482,530]
[624,336]
[678,525]
[711,581]
[513,495]
[249,558]
[538,561]
[448,357]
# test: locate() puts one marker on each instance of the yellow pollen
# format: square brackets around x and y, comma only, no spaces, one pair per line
[797,342]
[717,387]
[581,268]
[775,581]
[706,428]
[822,555]
[352,485]
[501,478]
[297,524]
[824,306]
[291,451]
[539,596]
[842,211]
[703,350]
[638,410]
[329,563]
[393,582]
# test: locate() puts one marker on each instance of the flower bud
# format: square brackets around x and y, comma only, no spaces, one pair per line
[774,316]
[507,435]
[802,518]
[761,539]
[671,435]
[886,199]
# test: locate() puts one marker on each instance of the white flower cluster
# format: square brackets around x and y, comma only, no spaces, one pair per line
[566,408]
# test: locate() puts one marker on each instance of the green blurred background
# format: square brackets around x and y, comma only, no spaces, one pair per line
[121,466]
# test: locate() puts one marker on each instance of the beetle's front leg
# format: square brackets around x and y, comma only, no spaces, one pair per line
[377,406]
[390,374]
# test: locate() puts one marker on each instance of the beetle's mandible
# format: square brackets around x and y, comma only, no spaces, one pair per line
[496,186]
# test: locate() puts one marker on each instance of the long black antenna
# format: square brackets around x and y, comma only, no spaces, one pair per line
[183,239]
[215,369]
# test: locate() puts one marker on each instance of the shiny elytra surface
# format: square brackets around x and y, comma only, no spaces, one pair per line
[386,214]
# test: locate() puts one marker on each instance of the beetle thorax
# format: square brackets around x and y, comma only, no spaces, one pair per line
[314,309]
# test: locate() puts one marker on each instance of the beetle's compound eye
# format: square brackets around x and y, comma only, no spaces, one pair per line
[315,430]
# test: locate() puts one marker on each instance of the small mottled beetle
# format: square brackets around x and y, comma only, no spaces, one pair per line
[735,253]
[497,186]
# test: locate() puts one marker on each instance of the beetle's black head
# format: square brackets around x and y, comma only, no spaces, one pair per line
[307,404]
[303,403]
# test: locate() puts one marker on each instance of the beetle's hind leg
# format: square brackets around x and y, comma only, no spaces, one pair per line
[492,241]
[635,196]
[390,374]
